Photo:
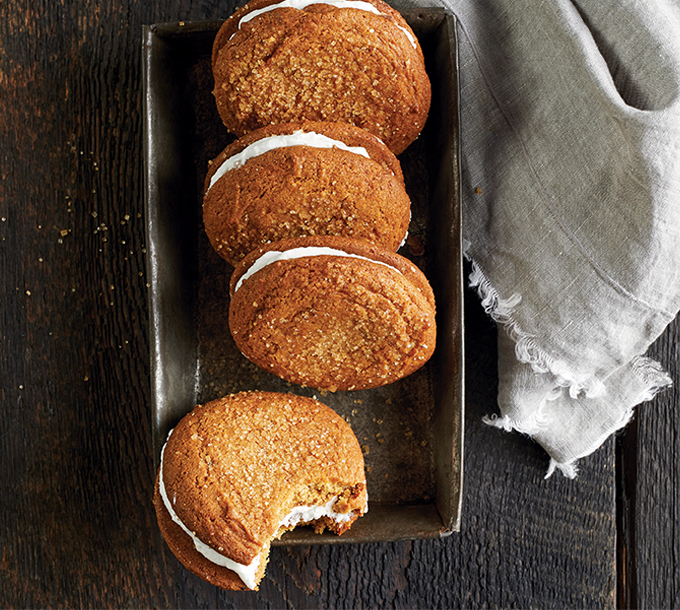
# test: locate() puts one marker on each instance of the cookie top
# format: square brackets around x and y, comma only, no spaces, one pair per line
[354,62]
[332,313]
[237,472]
[300,179]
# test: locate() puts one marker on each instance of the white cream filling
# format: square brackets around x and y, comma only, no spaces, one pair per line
[247,573]
[305,514]
[274,256]
[297,138]
[300,4]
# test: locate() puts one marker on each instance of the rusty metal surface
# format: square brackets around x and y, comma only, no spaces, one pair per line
[412,430]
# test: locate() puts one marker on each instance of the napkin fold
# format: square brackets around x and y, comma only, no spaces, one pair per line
[570,132]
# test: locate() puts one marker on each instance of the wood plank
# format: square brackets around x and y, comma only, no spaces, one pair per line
[655,447]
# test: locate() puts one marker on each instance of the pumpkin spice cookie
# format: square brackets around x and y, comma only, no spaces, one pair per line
[349,61]
[304,179]
[332,313]
[238,472]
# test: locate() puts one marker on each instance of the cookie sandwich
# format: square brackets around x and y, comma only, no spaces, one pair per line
[349,61]
[332,313]
[238,472]
[301,179]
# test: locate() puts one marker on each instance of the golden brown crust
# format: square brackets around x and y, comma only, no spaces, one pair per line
[333,322]
[183,548]
[322,63]
[301,190]
[236,466]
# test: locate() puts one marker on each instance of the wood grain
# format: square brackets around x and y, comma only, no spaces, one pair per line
[76,522]
[656,488]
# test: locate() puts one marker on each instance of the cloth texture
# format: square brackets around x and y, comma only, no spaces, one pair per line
[570,149]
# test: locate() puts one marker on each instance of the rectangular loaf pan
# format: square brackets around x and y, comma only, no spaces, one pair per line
[412,430]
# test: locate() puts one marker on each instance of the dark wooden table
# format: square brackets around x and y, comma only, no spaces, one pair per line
[77,528]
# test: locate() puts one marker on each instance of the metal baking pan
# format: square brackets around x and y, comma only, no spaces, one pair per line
[411,431]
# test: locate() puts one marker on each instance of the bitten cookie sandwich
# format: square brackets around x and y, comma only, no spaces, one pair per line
[238,472]
[304,179]
[349,61]
[332,313]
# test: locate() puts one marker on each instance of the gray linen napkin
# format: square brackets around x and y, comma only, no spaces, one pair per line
[570,130]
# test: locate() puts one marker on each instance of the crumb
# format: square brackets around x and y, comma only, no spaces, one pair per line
[415,245]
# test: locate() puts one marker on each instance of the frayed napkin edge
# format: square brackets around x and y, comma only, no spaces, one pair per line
[526,350]
[654,378]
